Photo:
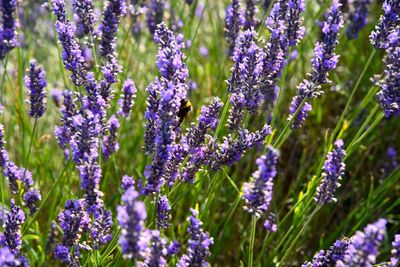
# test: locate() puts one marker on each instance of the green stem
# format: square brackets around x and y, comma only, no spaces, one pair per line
[252,237]
[30,147]
[5,62]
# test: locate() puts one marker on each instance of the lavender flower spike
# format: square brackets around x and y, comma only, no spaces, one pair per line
[324,60]
[112,14]
[233,22]
[12,237]
[163,213]
[250,14]
[131,218]
[330,257]
[387,32]
[8,33]
[84,11]
[257,193]
[127,98]
[154,14]
[389,94]
[295,30]
[333,171]
[110,144]
[395,251]
[358,18]
[35,82]
[364,246]
[7,259]
[199,244]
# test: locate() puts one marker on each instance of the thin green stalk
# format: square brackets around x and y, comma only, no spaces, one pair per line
[252,237]
[287,251]
[30,147]
[5,63]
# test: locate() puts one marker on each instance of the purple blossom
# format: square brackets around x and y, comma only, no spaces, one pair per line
[324,60]
[66,130]
[3,151]
[131,218]
[231,150]
[364,246]
[250,19]
[295,30]
[127,182]
[73,220]
[72,53]
[387,31]
[178,153]
[12,237]
[258,192]
[199,244]
[233,22]
[100,231]
[7,259]
[156,253]
[35,82]
[173,248]
[86,18]
[154,14]
[127,98]
[358,18]
[65,256]
[110,71]
[391,163]
[151,115]
[110,144]
[13,174]
[389,94]
[112,14]
[330,257]
[333,171]
[56,97]
[31,198]
[8,32]
[395,259]
[163,213]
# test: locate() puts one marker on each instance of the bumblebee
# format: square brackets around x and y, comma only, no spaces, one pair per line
[184,109]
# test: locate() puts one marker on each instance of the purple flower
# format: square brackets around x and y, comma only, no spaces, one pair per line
[65,256]
[250,14]
[3,151]
[110,144]
[13,174]
[73,220]
[12,237]
[389,94]
[112,14]
[386,31]
[127,182]
[110,71]
[333,171]
[324,60]
[295,30]
[100,231]
[395,251]
[127,98]
[72,53]
[258,192]
[90,174]
[56,97]
[199,244]
[8,33]
[131,218]
[358,18]
[364,246]
[391,163]
[154,14]
[233,22]
[330,257]
[66,130]
[31,198]
[35,82]
[163,213]
[7,259]
[156,253]
[231,150]
[151,115]
[86,18]
[173,248]
[171,172]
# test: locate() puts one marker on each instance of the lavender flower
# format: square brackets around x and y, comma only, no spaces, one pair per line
[90,174]
[395,251]
[7,259]
[389,94]
[151,115]
[73,220]
[333,171]
[358,18]
[84,11]
[199,244]
[56,97]
[173,248]
[171,172]
[12,237]
[31,198]
[100,232]
[231,150]
[330,257]
[391,163]
[295,30]
[8,33]
[127,98]
[258,192]
[13,174]
[324,60]
[72,53]
[131,218]
[3,151]
[65,256]
[250,14]
[65,131]
[35,82]
[110,71]
[387,31]
[364,246]
[233,22]
[155,254]
[154,14]
[163,213]
[112,14]
[127,182]
[110,144]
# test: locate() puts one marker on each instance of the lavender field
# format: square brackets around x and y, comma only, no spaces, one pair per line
[200,133]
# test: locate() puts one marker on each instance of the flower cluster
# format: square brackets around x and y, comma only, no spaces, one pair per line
[86,18]
[358,18]
[330,257]
[127,98]
[333,171]
[233,22]
[250,19]
[387,32]
[154,14]
[35,82]
[8,33]
[324,60]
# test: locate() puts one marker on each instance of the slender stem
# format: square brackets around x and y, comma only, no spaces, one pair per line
[299,235]
[5,62]
[252,237]
[30,147]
